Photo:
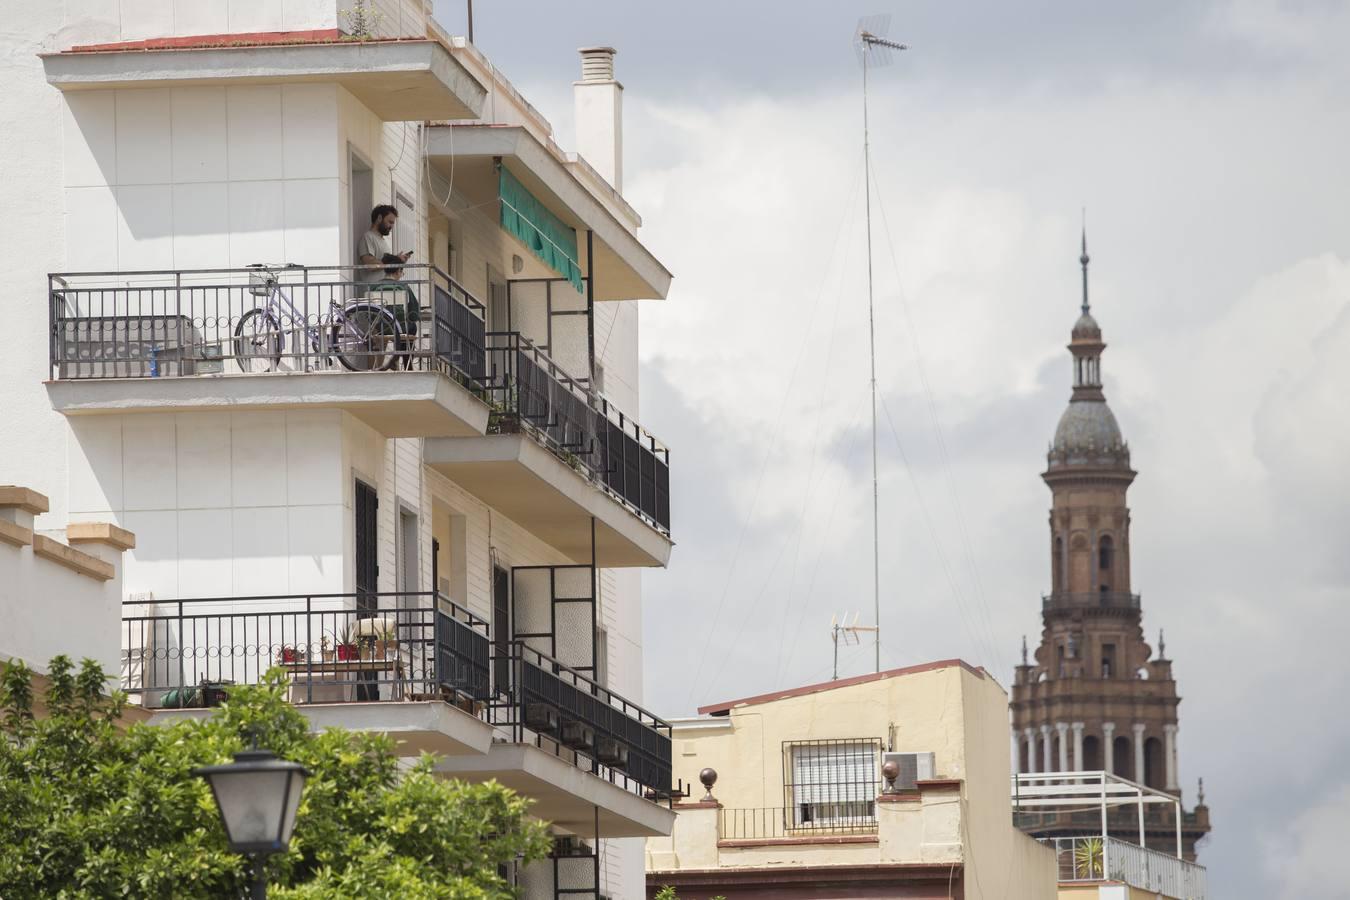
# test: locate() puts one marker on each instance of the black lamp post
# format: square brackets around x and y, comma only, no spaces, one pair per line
[258,795]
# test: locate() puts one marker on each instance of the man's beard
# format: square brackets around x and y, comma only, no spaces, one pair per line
[384,230]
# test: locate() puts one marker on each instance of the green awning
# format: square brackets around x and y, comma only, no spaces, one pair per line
[548,237]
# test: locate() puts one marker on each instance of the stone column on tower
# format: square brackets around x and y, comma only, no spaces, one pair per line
[1139,751]
[1063,729]
[1109,746]
[1170,755]
[1030,734]
[1078,746]
[1047,765]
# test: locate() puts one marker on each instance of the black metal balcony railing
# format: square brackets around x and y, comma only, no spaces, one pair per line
[335,648]
[528,389]
[557,708]
[169,324]
[1101,599]
[342,648]
[797,822]
[284,318]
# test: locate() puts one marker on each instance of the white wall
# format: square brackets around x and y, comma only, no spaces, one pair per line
[223,504]
[201,177]
[35,591]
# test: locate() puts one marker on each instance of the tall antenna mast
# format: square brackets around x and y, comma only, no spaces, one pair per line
[873,49]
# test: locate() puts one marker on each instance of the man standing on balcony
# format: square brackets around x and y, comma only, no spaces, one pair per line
[373,247]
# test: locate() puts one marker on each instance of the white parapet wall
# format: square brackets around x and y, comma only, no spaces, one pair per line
[58,596]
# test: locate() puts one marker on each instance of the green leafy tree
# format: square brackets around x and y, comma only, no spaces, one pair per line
[92,809]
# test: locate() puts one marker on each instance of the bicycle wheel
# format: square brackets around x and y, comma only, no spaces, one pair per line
[366,338]
[258,341]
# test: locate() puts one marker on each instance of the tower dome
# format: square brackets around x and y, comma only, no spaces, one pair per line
[1088,434]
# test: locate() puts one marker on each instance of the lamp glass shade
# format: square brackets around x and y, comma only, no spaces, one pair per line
[258,796]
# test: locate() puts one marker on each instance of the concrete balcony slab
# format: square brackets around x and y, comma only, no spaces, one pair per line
[398,80]
[518,477]
[397,404]
[417,726]
[571,798]
[623,267]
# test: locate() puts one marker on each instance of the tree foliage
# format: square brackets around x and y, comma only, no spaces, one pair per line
[92,808]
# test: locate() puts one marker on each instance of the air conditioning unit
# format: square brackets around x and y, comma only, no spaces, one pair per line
[914,767]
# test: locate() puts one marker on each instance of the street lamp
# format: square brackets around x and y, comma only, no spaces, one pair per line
[258,795]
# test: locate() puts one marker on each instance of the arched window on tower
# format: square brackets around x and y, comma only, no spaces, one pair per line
[1121,757]
[1092,753]
[1106,559]
[1057,576]
[1153,763]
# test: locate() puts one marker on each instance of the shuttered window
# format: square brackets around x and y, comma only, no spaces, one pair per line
[832,781]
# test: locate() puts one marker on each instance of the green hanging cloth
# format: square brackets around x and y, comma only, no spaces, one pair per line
[548,237]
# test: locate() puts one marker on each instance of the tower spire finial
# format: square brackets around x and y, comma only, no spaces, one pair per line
[1084,259]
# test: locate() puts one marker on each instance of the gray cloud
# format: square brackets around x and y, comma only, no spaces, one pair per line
[1208,143]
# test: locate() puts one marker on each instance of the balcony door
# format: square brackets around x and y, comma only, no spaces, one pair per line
[366,507]
[362,197]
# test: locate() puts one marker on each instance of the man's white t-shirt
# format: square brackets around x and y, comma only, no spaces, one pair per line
[374,244]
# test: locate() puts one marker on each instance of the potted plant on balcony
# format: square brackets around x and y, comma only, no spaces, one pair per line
[289,654]
[346,648]
[1087,858]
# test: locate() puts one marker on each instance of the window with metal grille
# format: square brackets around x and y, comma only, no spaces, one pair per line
[831,782]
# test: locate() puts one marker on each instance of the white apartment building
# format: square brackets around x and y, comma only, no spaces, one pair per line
[423,492]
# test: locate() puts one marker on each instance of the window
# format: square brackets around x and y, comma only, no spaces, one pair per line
[831,783]
[1108,659]
[601,676]
[1057,576]
[405,227]
[408,557]
[1106,555]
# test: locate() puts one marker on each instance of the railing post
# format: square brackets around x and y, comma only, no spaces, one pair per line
[436,673]
[309,653]
[182,644]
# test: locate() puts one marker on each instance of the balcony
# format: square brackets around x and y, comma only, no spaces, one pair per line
[790,823]
[592,761]
[398,80]
[1096,859]
[400,355]
[1090,600]
[341,651]
[557,455]
[423,670]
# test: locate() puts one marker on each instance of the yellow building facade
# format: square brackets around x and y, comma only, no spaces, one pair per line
[893,784]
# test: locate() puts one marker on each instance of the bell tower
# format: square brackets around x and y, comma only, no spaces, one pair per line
[1096,696]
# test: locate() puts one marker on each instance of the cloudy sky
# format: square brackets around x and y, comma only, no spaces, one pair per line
[1208,142]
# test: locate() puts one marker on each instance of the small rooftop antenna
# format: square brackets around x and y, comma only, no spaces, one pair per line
[873,49]
[850,632]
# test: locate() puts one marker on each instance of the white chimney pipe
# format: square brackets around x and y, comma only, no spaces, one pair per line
[598,100]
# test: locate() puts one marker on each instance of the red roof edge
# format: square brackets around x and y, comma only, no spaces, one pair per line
[722,708]
[235,39]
